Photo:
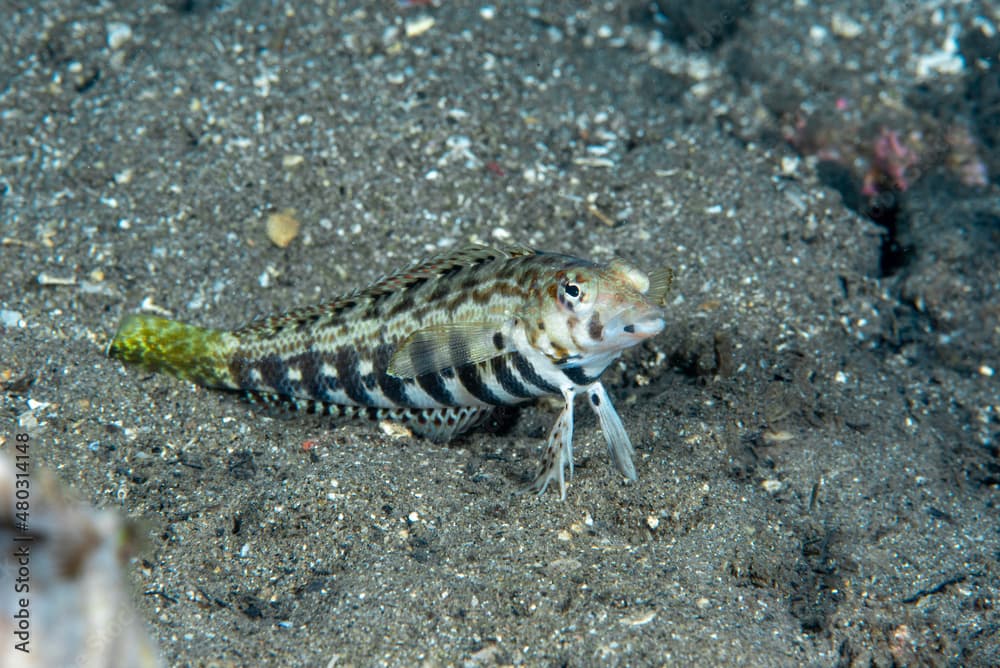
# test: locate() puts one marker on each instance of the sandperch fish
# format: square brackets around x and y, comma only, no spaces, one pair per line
[437,346]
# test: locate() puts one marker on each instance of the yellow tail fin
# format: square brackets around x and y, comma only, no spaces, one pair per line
[192,353]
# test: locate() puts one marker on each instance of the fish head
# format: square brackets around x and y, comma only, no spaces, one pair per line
[595,310]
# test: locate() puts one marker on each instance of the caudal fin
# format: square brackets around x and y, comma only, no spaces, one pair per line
[196,354]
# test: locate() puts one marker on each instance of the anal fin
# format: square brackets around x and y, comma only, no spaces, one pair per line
[437,424]
[444,424]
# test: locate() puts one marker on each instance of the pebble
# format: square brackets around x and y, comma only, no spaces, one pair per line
[27,421]
[282,227]
[395,429]
[947,60]
[818,33]
[846,27]
[11,319]
[118,35]
[777,436]
[96,288]
[771,486]
[790,165]
[419,25]
[639,620]
[48,279]
[939,62]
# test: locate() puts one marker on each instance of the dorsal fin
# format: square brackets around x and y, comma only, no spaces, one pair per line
[406,278]
[442,265]
[301,317]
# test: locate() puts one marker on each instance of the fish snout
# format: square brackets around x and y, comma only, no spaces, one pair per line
[643,322]
[644,329]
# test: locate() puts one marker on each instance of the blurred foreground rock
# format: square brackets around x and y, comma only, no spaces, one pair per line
[66,563]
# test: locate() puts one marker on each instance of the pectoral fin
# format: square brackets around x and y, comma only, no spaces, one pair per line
[452,345]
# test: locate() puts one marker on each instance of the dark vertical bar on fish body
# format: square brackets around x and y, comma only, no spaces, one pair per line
[323,386]
[432,384]
[347,364]
[508,381]
[528,372]
[392,387]
[469,376]
[275,373]
[239,368]
[307,364]
[577,375]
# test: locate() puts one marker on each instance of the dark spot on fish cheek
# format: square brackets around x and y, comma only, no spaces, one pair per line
[596,400]
[594,329]
[630,329]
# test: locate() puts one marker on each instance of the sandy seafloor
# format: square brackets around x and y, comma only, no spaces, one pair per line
[816,431]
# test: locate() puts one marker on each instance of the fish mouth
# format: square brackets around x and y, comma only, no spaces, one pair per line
[645,328]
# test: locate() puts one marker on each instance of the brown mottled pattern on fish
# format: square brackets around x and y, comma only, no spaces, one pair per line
[437,345]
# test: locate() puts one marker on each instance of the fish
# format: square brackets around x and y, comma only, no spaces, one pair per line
[437,346]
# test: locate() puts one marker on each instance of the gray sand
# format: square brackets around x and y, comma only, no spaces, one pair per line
[816,441]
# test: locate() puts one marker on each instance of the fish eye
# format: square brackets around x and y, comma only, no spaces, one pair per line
[572,290]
